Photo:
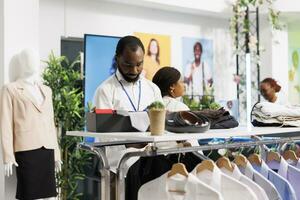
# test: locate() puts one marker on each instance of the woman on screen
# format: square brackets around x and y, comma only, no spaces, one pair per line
[152,61]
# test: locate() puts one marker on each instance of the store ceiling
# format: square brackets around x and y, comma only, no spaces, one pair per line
[213,8]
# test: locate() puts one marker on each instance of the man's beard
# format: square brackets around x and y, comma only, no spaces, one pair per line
[128,79]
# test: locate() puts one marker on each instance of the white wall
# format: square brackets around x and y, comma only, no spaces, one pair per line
[105,18]
[280,58]
[1,83]
[1,42]
[275,57]
[18,29]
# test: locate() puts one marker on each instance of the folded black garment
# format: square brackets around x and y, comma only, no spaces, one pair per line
[219,119]
[262,124]
[186,122]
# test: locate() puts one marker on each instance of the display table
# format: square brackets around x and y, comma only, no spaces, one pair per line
[216,133]
[283,135]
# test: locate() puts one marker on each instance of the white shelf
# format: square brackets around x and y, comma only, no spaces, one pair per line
[216,133]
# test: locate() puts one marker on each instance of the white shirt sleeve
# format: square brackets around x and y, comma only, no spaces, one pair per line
[102,99]
[187,70]
[207,72]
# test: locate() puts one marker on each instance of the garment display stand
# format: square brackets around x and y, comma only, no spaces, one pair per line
[282,135]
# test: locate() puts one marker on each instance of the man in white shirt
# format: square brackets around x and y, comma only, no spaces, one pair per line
[126,90]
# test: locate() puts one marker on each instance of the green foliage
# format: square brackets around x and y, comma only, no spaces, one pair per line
[206,102]
[240,26]
[214,106]
[156,105]
[61,77]
[90,106]
[295,59]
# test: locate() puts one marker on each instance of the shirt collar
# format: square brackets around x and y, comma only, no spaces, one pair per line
[283,168]
[213,178]
[249,171]
[264,169]
[236,172]
[298,164]
[175,182]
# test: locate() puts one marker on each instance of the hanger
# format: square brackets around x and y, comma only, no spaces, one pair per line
[205,164]
[241,160]
[272,155]
[178,168]
[184,144]
[187,144]
[224,162]
[255,159]
[290,154]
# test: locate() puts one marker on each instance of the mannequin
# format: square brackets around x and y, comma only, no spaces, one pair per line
[25,89]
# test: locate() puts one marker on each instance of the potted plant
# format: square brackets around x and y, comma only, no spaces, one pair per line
[157,115]
[60,75]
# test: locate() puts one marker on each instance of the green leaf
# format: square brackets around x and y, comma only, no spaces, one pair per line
[68,107]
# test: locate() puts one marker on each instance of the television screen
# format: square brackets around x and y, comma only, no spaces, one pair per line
[98,62]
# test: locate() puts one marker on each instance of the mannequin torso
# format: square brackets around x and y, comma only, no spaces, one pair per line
[26,80]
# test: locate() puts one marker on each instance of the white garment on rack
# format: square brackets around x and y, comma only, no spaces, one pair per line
[268,187]
[229,188]
[162,187]
[288,172]
[298,164]
[236,174]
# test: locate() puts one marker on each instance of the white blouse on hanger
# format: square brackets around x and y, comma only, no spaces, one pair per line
[236,174]
[162,189]
[229,188]
[268,187]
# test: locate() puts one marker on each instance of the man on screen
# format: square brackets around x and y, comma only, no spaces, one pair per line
[197,76]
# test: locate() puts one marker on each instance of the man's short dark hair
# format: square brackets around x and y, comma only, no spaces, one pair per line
[129,41]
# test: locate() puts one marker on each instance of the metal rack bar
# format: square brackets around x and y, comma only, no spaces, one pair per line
[153,151]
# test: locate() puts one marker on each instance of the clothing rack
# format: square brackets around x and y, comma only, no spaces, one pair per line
[104,170]
[153,150]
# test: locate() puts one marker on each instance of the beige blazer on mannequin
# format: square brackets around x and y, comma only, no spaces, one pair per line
[24,125]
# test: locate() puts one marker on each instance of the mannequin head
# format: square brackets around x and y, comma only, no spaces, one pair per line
[24,65]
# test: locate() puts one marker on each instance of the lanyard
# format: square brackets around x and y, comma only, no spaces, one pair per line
[138,107]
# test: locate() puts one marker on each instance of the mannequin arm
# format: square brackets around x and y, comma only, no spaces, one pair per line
[58,164]
[6,126]
[8,168]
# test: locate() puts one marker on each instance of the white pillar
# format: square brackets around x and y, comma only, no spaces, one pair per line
[19,29]
[275,57]
[1,50]
[280,60]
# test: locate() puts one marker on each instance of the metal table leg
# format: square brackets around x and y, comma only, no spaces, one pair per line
[123,169]
[104,171]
